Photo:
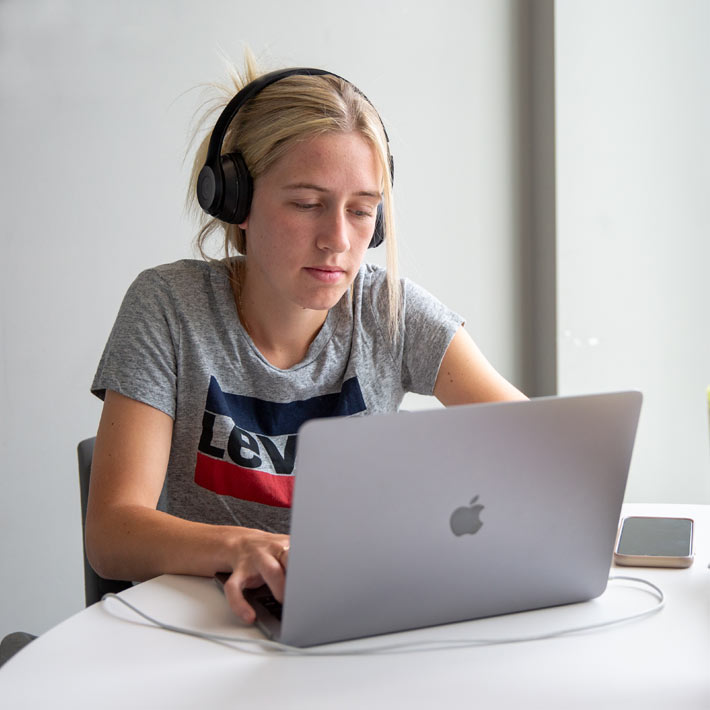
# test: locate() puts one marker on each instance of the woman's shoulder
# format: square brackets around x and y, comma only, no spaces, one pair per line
[372,281]
[186,270]
[185,286]
[181,276]
[415,300]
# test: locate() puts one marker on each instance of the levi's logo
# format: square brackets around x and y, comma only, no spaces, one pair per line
[247,447]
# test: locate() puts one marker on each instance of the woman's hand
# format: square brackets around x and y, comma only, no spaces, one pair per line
[261,558]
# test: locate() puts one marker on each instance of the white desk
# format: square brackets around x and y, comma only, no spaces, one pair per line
[104,657]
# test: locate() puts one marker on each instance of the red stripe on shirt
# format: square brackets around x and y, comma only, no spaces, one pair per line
[228,479]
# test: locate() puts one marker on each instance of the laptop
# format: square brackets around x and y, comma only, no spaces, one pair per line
[401,521]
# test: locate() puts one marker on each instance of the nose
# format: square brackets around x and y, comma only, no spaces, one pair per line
[334,232]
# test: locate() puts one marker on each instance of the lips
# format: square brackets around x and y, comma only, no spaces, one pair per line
[325,274]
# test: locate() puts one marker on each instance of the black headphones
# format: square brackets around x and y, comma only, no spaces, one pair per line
[224,186]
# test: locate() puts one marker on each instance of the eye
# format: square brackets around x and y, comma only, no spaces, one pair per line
[362,212]
[305,206]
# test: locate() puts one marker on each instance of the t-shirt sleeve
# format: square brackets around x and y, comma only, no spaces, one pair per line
[429,327]
[140,357]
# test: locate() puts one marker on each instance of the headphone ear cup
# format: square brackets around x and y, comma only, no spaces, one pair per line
[207,190]
[378,235]
[238,188]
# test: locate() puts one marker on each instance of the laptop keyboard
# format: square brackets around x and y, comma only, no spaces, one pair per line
[271,604]
[261,595]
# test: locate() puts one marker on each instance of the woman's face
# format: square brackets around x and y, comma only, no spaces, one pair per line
[312,218]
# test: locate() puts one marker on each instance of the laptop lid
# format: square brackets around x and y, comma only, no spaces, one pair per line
[414,519]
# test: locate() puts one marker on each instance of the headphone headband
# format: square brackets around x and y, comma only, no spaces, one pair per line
[246,93]
[224,185]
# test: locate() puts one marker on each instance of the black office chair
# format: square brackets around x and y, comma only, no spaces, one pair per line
[95,586]
[12,643]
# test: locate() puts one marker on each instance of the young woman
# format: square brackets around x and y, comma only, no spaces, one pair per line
[212,366]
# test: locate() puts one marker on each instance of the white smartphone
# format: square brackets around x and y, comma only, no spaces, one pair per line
[654,542]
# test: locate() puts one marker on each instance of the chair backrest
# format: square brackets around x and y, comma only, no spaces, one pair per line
[94,585]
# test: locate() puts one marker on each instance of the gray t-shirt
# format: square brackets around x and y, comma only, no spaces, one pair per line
[177,345]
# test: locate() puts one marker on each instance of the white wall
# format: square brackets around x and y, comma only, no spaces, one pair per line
[93,126]
[633,177]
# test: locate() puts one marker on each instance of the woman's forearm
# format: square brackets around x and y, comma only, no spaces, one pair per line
[137,543]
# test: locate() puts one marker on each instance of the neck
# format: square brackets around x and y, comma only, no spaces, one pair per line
[282,335]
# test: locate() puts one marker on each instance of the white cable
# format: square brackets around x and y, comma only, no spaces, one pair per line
[407,646]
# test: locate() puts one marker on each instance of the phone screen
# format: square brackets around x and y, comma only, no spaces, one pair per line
[662,537]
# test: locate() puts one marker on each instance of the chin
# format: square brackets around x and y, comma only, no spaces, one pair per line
[324,301]
[320,304]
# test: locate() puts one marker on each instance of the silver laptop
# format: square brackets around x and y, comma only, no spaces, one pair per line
[414,519]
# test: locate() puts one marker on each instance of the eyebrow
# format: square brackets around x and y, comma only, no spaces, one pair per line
[318,188]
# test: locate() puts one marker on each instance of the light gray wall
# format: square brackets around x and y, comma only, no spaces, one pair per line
[633,182]
[93,127]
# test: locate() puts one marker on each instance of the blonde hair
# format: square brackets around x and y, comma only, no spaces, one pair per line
[267,126]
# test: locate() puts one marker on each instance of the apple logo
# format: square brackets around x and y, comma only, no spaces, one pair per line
[465,520]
